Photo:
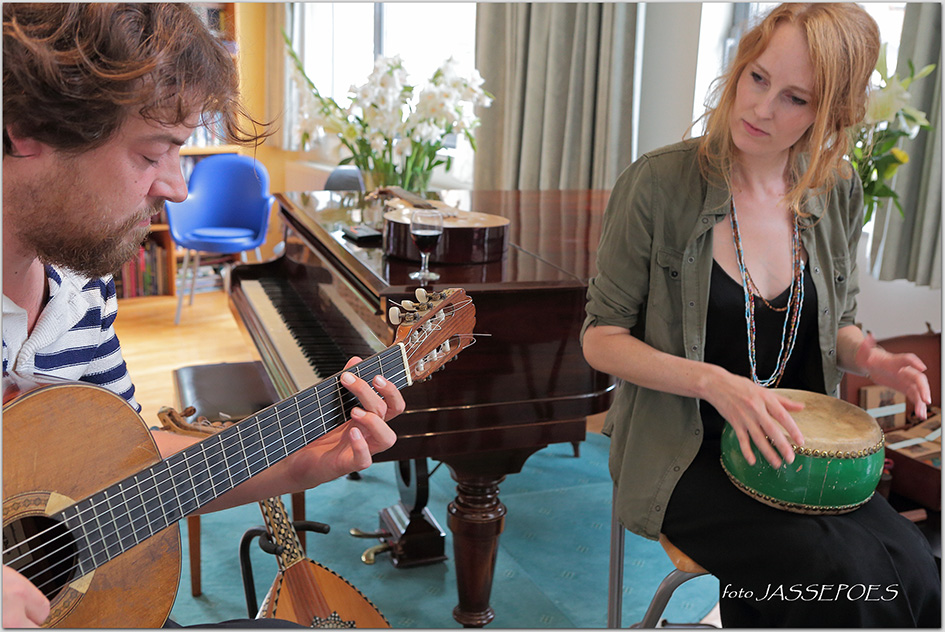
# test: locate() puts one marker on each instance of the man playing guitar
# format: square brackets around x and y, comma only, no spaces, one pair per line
[97,101]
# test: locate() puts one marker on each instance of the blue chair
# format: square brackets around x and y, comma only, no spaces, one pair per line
[226,212]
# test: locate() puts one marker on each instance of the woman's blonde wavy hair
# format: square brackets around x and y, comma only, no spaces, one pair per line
[843,44]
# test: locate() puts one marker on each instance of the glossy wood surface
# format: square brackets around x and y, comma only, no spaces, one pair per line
[553,237]
[529,370]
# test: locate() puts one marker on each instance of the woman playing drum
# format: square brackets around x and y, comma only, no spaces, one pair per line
[727,265]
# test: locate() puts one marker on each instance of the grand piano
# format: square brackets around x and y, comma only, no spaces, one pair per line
[517,390]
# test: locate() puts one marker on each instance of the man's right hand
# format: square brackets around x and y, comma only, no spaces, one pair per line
[24,605]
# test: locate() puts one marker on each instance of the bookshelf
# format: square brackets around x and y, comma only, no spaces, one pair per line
[154,272]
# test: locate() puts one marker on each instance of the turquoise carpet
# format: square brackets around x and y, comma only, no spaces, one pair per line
[552,567]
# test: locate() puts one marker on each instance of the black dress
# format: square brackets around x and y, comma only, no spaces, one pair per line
[867,568]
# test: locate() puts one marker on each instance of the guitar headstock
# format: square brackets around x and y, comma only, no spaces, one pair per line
[434,329]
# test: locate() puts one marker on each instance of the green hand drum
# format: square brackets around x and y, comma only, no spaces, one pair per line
[835,471]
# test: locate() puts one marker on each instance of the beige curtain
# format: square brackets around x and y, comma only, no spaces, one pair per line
[562,75]
[910,247]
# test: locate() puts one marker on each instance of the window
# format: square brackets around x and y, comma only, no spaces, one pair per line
[339,41]
[724,23]
[888,16]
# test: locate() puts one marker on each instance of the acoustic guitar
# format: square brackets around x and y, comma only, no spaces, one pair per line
[90,509]
[469,237]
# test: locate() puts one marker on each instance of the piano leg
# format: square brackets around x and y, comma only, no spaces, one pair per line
[476,518]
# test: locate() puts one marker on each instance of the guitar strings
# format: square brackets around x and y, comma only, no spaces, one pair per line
[346,398]
[346,401]
[209,469]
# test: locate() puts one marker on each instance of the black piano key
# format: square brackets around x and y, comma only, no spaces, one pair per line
[323,353]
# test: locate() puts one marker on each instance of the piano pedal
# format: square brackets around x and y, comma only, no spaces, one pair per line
[368,557]
[373,535]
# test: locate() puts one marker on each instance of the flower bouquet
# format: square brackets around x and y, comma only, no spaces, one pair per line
[889,117]
[392,129]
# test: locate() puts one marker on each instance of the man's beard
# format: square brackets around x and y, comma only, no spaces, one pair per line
[90,258]
[66,225]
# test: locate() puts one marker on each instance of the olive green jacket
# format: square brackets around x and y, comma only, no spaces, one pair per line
[654,264]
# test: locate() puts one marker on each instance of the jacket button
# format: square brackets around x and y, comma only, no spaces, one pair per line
[674,274]
[840,278]
[658,508]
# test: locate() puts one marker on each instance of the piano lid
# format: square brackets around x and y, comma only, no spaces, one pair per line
[552,244]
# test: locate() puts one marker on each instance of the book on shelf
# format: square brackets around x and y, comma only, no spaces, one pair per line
[145,275]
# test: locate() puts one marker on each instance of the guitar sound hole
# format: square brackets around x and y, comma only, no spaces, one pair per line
[42,550]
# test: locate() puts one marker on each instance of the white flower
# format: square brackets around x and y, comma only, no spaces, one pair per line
[914,120]
[389,113]
[378,142]
[427,132]
[886,102]
[402,148]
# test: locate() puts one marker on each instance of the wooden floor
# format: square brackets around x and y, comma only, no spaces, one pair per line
[208,333]
[153,346]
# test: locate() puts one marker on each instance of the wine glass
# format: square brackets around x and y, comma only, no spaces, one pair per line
[426,226]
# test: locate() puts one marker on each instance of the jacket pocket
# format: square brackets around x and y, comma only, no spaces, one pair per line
[666,286]
[841,282]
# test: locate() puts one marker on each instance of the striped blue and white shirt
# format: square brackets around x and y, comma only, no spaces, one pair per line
[73,338]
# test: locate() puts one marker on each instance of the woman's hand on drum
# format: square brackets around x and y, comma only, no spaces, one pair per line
[757,414]
[904,372]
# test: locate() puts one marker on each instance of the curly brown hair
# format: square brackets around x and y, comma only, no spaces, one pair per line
[843,43]
[72,73]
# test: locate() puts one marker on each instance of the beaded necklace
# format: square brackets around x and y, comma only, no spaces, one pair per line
[793,308]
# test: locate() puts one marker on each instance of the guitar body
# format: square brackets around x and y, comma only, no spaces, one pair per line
[468,236]
[290,598]
[63,442]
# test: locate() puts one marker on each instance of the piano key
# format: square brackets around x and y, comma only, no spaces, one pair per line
[294,357]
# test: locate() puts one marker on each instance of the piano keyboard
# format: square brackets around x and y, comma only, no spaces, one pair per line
[306,351]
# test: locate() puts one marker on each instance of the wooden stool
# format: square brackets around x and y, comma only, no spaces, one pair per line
[227,391]
[685,569]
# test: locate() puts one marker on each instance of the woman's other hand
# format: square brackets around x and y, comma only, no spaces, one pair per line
[904,372]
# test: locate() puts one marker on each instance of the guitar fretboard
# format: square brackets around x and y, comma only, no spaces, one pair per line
[132,510]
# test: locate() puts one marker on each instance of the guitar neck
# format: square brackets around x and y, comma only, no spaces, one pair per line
[132,510]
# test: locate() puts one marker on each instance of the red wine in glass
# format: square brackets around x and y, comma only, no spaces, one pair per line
[426,240]
[426,226]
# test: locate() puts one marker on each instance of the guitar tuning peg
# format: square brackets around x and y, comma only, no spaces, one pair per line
[409,306]
[394,315]
[421,295]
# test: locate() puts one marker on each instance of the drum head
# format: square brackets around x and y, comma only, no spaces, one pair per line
[828,423]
